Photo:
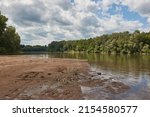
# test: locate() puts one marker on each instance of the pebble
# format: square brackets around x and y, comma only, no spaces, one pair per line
[99,73]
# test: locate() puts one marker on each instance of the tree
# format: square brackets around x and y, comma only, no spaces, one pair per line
[3,24]
[9,39]
[35,48]
[115,43]
[146,49]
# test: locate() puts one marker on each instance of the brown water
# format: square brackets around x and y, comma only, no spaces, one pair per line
[131,70]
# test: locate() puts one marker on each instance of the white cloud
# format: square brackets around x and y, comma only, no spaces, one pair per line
[148,20]
[84,5]
[43,21]
[140,6]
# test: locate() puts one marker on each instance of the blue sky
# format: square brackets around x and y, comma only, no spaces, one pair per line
[44,21]
[128,14]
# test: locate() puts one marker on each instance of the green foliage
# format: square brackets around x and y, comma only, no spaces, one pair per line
[36,48]
[115,43]
[9,39]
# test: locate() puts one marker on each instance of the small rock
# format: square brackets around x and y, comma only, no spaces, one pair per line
[42,76]
[90,78]
[49,73]
[99,73]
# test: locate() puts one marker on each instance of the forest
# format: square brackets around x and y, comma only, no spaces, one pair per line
[9,38]
[115,43]
[33,48]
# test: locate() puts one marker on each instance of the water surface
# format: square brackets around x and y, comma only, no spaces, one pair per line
[132,70]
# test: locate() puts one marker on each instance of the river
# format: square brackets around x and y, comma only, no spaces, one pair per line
[133,70]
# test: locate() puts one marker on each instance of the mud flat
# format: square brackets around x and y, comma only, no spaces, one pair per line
[24,77]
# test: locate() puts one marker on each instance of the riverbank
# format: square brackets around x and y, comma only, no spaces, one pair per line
[23,77]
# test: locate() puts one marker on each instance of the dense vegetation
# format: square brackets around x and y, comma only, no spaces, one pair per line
[36,48]
[115,43]
[9,39]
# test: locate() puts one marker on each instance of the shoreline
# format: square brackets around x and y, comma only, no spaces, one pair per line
[53,78]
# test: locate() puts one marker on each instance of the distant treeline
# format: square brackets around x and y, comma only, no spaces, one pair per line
[36,48]
[115,43]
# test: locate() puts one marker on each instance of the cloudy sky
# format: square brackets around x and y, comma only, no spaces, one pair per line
[43,21]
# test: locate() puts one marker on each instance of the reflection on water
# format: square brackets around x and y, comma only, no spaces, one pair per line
[132,70]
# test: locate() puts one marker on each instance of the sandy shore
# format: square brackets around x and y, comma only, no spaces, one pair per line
[40,78]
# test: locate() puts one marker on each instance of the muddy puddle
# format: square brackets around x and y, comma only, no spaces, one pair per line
[93,85]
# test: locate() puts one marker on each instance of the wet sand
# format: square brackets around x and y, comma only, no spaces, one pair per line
[24,77]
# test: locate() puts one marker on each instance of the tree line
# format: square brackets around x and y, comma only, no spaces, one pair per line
[115,43]
[9,38]
[34,48]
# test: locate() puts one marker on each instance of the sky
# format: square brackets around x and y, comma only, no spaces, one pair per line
[40,22]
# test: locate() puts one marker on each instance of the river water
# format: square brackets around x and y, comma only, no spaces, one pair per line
[132,70]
